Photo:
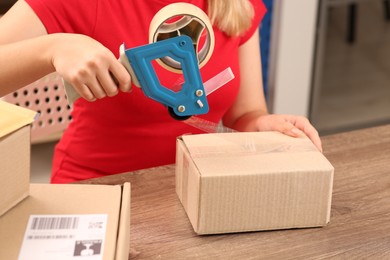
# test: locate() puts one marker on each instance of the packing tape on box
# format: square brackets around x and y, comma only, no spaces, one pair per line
[244,144]
[248,148]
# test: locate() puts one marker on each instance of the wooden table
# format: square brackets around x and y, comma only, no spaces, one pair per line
[359,226]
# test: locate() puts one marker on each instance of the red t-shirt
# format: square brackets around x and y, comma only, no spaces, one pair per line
[129,131]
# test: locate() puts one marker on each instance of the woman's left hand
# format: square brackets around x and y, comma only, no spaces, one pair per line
[290,125]
[249,111]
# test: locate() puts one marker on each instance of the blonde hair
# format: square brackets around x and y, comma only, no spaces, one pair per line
[233,17]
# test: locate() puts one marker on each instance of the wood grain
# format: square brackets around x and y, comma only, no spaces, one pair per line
[360,218]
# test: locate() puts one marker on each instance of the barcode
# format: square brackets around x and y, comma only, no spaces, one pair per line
[42,223]
[51,237]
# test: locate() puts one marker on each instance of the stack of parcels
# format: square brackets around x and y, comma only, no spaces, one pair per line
[236,182]
[47,221]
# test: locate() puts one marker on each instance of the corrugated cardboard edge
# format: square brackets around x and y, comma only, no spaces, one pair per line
[330,194]
[123,239]
[19,187]
[24,117]
[184,175]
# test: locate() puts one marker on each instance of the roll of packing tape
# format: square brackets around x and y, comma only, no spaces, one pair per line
[183,19]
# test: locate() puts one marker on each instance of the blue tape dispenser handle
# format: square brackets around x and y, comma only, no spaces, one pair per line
[175,36]
[191,99]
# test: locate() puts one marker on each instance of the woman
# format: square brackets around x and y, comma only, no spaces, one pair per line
[114,129]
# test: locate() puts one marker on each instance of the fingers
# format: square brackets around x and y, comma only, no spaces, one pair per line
[107,84]
[304,124]
[87,86]
[108,81]
[289,129]
[96,89]
[121,76]
[88,66]
[293,126]
[301,125]
[93,85]
[84,92]
[314,137]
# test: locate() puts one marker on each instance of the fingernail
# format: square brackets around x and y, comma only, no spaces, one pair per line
[296,131]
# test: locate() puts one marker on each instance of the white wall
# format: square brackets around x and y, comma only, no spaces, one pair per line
[291,57]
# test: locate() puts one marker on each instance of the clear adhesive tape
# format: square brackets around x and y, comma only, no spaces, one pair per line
[183,19]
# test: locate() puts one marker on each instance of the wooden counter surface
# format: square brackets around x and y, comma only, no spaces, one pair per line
[360,218]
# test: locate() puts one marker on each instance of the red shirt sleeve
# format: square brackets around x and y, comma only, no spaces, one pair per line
[71,16]
[259,10]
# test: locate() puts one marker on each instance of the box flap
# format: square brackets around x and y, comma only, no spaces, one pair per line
[13,117]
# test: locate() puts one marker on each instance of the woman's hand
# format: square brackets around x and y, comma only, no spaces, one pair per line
[249,111]
[92,69]
[290,125]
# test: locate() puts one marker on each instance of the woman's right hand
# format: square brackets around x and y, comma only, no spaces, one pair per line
[92,69]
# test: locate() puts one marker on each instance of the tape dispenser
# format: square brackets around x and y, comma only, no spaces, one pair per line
[175,35]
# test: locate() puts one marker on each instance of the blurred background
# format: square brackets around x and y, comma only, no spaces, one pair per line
[328,60]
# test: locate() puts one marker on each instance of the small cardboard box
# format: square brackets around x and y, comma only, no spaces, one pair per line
[51,223]
[15,124]
[236,182]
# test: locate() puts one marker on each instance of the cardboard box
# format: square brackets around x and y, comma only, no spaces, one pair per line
[43,225]
[235,182]
[15,124]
